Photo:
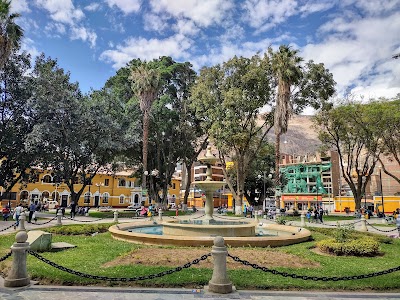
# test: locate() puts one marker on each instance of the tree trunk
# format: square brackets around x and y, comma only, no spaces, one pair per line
[146,119]
[188,183]
[277,162]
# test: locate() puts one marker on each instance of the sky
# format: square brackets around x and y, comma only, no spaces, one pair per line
[355,39]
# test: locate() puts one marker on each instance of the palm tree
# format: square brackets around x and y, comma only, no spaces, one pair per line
[10,33]
[146,83]
[287,70]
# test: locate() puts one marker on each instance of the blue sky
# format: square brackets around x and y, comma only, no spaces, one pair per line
[355,39]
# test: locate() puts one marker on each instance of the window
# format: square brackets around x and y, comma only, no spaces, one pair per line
[121,199]
[46,179]
[106,182]
[121,182]
[173,185]
[105,198]
[86,198]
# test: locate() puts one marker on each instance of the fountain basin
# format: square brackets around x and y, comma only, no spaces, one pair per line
[292,235]
[211,228]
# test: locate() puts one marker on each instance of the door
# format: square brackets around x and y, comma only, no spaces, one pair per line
[96,201]
[64,200]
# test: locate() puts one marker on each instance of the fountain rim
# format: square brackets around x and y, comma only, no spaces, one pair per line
[120,232]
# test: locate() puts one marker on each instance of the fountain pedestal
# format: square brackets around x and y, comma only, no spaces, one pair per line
[209,186]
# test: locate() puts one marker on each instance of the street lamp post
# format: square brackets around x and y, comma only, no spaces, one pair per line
[380,180]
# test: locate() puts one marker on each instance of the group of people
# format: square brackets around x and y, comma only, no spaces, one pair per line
[248,211]
[315,215]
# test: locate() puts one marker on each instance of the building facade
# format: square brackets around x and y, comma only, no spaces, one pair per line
[116,190]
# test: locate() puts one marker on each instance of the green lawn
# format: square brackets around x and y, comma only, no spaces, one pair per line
[93,251]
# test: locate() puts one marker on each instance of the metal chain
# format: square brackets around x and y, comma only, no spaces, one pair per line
[83,221]
[315,278]
[44,222]
[6,256]
[381,229]
[137,278]
[12,225]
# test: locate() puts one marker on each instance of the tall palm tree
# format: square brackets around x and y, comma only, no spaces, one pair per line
[10,33]
[287,70]
[146,83]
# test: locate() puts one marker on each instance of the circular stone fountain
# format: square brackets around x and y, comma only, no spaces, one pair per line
[201,231]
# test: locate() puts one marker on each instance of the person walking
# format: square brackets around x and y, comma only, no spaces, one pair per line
[73,209]
[320,214]
[308,216]
[398,223]
[18,211]
[32,209]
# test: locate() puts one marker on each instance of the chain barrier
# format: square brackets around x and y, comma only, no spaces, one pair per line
[315,278]
[381,229]
[44,222]
[5,256]
[12,225]
[83,221]
[125,279]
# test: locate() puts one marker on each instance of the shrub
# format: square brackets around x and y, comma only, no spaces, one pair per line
[86,229]
[280,220]
[364,246]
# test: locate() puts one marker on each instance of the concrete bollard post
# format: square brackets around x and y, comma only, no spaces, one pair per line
[18,275]
[302,220]
[21,225]
[160,214]
[115,220]
[219,282]
[363,224]
[59,216]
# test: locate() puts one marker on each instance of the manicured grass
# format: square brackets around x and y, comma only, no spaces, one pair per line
[93,251]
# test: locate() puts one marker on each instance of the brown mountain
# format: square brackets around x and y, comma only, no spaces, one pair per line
[301,138]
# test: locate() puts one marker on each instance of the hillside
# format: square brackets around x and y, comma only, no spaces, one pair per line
[301,137]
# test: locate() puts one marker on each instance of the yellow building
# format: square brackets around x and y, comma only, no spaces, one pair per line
[116,190]
[390,203]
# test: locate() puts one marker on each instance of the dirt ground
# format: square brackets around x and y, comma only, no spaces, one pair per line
[178,257]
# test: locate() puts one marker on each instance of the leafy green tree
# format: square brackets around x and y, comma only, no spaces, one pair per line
[348,130]
[298,87]
[228,99]
[16,120]
[77,136]
[170,114]
[146,83]
[384,119]
[10,32]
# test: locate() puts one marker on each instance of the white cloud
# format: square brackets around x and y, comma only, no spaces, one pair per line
[375,7]
[19,6]
[154,22]
[58,28]
[147,49]
[127,6]
[186,27]
[93,6]
[202,12]
[358,53]
[62,11]
[315,6]
[265,14]
[84,34]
